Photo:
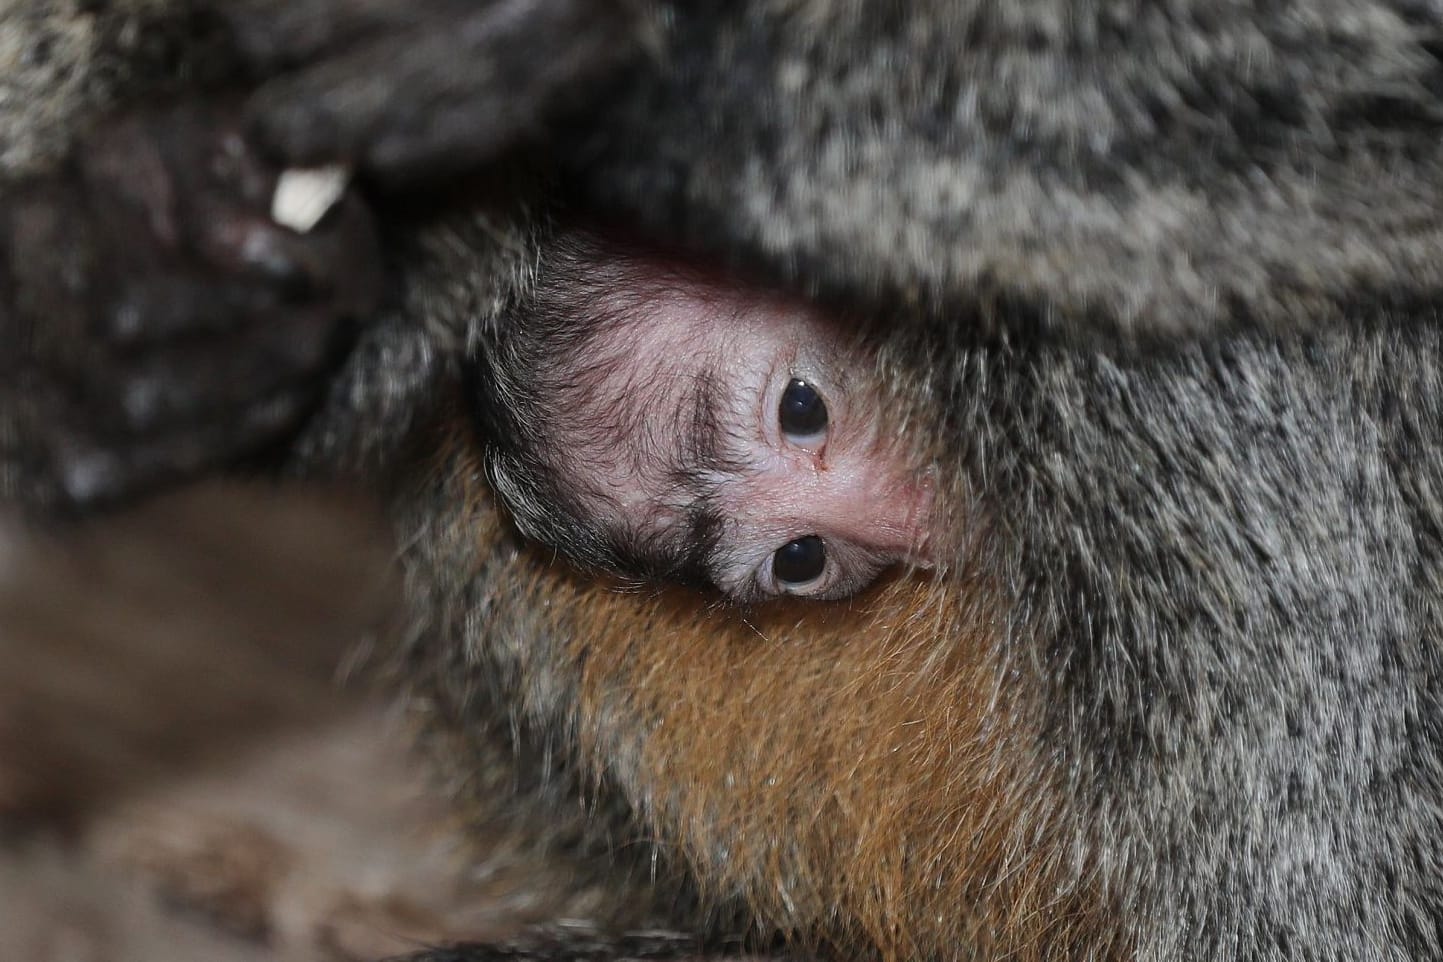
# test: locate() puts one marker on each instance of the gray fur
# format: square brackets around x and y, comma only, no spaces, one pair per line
[1134,169]
[1240,632]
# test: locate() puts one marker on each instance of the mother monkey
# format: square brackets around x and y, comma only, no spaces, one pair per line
[1155,287]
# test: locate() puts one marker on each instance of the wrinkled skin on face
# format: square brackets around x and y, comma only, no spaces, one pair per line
[740,430]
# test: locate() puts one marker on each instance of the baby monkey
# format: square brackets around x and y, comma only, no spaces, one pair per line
[647,419]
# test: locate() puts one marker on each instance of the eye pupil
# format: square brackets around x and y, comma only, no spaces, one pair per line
[802,412]
[800,561]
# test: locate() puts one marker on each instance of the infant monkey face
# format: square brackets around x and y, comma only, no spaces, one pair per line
[756,446]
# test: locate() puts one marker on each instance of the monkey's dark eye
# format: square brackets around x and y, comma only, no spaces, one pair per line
[801,561]
[802,413]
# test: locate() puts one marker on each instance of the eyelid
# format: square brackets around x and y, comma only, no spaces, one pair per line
[814,443]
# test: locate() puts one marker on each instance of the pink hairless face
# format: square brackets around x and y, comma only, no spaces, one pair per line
[741,431]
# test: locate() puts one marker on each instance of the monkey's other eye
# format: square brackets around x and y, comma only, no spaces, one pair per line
[801,561]
[802,412]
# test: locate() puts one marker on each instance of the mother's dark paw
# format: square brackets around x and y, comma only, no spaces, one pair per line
[160,322]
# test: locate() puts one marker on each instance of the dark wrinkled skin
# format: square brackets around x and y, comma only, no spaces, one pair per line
[157,322]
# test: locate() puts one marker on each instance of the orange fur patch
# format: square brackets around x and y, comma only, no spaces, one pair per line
[859,771]
[867,774]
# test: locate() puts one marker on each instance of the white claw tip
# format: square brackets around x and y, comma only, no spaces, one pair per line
[304,195]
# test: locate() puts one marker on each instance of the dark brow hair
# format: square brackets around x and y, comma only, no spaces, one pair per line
[538,364]
[509,376]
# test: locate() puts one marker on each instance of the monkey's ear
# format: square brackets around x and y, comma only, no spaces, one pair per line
[410,90]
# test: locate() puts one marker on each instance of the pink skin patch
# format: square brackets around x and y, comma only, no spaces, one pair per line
[699,369]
